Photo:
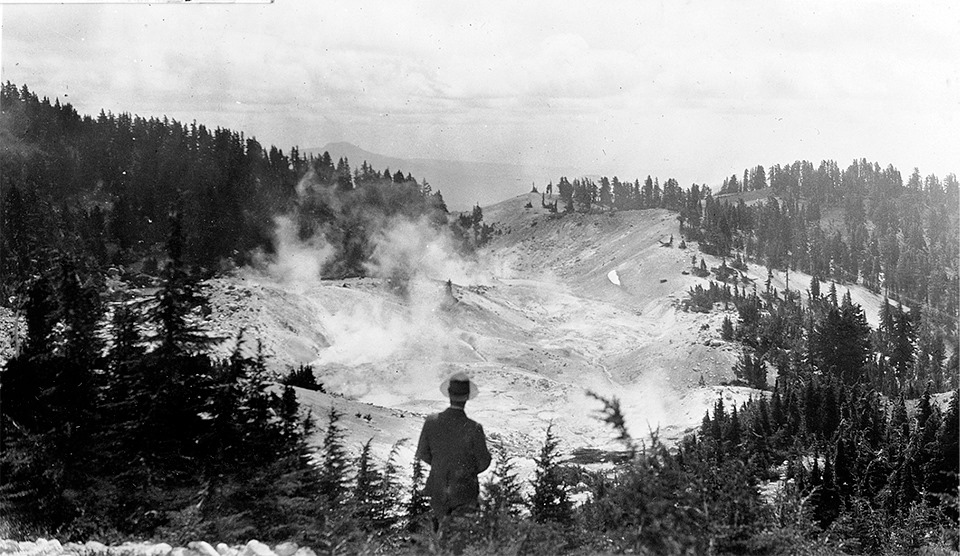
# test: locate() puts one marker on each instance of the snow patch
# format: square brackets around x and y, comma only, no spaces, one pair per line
[614,277]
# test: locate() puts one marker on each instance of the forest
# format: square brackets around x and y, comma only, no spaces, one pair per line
[118,423]
[101,190]
[861,225]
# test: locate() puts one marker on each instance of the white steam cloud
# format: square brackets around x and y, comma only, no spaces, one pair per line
[297,263]
[419,251]
[400,314]
[417,258]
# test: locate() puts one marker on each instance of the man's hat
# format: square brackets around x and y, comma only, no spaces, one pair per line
[459,387]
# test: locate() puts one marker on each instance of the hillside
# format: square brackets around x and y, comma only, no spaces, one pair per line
[555,307]
[538,321]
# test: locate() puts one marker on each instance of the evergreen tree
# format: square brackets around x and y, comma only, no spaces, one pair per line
[177,333]
[840,343]
[502,496]
[829,410]
[726,329]
[733,435]
[828,502]
[550,500]
[334,479]
[943,470]
[367,488]
[417,506]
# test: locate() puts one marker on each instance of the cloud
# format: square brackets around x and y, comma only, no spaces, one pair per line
[297,263]
[492,79]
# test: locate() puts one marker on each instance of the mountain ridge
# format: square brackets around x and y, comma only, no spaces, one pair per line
[463,183]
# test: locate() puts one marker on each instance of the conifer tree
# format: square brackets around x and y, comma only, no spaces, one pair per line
[176,332]
[726,329]
[389,507]
[502,498]
[811,407]
[417,505]
[334,479]
[943,470]
[39,309]
[829,410]
[828,499]
[367,488]
[732,435]
[502,489]
[550,500]
[898,429]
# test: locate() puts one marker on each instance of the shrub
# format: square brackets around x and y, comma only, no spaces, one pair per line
[550,500]
[303,377]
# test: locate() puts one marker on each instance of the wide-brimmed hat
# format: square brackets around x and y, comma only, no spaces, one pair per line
[459,387]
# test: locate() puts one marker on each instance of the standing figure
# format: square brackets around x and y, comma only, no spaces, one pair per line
[455,448]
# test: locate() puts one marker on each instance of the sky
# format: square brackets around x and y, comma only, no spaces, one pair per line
[685,89]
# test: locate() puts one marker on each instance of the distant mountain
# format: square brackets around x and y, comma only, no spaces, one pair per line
[463,183]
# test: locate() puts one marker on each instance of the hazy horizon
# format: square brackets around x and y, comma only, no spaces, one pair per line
[696,92]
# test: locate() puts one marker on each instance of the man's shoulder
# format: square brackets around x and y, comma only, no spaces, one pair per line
[474,425]
[453,416]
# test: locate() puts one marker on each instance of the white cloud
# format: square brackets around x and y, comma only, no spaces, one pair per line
[614,86]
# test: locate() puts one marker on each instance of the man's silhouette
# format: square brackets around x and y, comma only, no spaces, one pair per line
[455,448]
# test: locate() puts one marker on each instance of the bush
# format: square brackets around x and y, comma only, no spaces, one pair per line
[303,377]
[550,500]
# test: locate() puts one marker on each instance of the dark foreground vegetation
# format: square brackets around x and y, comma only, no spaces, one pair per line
[118,423]
[141,433]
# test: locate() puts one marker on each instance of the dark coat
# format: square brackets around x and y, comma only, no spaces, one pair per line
[455,448]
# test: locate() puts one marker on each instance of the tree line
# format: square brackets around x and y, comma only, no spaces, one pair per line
[829,334]
[860,225]
[101,189]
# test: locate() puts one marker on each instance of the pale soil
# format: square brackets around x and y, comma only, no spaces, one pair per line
[538,323]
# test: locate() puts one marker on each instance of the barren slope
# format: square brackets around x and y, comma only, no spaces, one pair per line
[538,323]
[553,308]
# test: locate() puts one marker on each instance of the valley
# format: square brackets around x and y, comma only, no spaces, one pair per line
[534,317]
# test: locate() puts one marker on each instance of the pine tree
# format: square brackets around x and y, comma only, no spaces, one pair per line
[502,497]
[901,357]
[334,479]
[39,313]
[840,343]
[943,470]
[417,506]
[389,507]
[811,408]
[828,500]
[829,410]
[502,489]
[843,467]
[726,329]
[176,332]
[898,430]
[550,500]
[367,488]
[732,435]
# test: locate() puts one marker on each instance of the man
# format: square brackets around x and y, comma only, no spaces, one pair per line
[455,448]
